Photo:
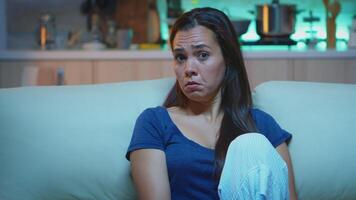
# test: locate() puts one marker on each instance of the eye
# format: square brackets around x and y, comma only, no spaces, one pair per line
[203,55]
[179,58]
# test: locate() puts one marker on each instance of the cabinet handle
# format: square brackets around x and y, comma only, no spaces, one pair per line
[60,76]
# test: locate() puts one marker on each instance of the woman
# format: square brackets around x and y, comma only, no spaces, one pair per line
[196,146]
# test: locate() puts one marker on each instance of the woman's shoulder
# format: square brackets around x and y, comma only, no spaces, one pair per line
[153,109]
[263,119]
[269,127]
[153,113]
[258,114]
[152,118]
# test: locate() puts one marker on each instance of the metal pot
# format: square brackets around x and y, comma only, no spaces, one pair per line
[275,20]
[241,26]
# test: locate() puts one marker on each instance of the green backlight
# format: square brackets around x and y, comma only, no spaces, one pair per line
[239,9]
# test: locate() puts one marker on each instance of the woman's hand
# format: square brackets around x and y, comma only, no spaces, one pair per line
[149,172]
[283,151]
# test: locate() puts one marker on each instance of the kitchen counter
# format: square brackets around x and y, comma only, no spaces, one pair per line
[91,67]
[8,55]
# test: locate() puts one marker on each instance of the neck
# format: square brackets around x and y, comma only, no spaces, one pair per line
[210,109]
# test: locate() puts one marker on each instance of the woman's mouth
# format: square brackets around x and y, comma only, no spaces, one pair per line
[192,86]
[191,83]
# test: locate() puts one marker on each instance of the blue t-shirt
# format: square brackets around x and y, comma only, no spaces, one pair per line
[190,165]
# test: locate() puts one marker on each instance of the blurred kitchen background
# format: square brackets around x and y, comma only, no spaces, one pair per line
[21,19]
[68,42]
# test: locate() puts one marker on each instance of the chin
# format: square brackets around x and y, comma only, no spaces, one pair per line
[197,97]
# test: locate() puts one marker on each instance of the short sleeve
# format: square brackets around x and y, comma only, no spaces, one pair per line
[147,133]
[269,127]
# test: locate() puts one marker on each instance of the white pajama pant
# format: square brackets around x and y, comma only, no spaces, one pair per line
[253,170]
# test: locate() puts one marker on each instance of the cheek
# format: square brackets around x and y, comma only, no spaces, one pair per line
[221,73]
[178,71]
[221,70]
[216,73]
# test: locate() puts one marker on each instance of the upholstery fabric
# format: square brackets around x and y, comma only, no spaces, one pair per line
[321,117]
[69,142]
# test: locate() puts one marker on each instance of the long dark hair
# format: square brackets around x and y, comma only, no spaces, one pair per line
[235,90]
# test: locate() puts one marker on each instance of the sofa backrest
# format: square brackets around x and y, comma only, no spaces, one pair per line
[69,142]
[322,119]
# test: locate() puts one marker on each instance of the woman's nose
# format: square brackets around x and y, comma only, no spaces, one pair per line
[190,69]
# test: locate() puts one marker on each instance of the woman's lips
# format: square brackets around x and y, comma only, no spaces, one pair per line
[192,86]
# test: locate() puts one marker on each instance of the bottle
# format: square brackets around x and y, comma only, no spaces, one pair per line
[95,33]
[153,24]
[111,38]
[46,31]
[95,39]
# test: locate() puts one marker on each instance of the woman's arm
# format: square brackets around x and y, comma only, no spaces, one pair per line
[149,172]
[283,151]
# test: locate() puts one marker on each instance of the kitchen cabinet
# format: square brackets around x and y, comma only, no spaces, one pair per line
[93,67]
[260,71]
[11,72]
[26,73]
[118,71]
[326,70]
[350,71]
[75,72]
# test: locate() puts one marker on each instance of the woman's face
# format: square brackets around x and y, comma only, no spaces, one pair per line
[198,63]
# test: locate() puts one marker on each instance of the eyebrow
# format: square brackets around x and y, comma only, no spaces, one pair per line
[177,50]
[198,46]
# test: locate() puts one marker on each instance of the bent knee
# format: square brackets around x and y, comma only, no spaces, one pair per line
[254,148]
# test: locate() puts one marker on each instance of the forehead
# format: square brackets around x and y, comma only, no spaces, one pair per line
[193,37]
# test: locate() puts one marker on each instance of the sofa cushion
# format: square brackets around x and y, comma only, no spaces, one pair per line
[321,117]
[70,142]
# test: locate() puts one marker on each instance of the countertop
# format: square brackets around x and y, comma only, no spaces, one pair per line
[8,55]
